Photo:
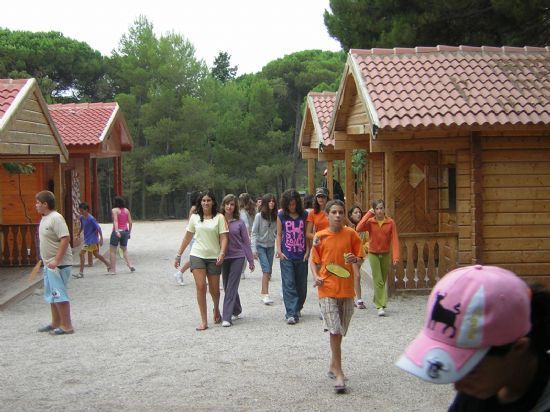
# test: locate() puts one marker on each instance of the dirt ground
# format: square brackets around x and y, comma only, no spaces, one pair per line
[136,348]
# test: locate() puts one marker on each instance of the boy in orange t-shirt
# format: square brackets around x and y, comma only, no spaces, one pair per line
[339,245]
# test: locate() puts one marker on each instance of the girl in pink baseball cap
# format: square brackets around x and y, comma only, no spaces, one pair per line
[488,333]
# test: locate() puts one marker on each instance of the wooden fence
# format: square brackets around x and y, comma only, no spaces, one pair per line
[425,258]
[18,245]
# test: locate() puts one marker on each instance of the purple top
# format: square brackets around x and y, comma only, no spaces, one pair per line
[238,244]
[90,227]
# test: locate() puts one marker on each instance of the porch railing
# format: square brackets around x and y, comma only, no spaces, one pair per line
[425,258]
[18,244]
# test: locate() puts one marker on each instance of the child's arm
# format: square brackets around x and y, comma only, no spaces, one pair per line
[278,245]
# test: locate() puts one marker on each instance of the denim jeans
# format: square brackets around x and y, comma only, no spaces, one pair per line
[265,256]
[294,279]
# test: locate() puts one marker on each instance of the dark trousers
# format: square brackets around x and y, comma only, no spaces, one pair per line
[231,277]
[294,279]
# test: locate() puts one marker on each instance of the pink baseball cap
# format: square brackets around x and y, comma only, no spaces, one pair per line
[469,310]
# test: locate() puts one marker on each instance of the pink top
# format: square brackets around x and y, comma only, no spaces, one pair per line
[122,219]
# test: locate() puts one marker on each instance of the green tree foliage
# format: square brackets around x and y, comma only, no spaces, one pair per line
[65,69]
[222,69]
[410,23]
[292,77]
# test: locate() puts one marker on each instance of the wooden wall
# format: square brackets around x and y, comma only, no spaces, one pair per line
[12,209]
[375,166]
[30,133]
[516,203]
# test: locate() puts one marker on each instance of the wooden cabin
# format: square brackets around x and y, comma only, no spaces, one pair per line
[458,145]
[90,131]
[28,136]
[314,133]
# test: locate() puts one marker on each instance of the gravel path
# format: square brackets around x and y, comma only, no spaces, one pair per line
[136,348]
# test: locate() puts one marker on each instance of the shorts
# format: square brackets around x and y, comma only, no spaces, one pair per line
[208,264]
[55,284]
[265,256]
[337,313]
[89,248]
[122,240]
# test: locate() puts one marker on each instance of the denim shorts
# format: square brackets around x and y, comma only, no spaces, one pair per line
[55,284]
[123,239]
[265,256]
[208,264]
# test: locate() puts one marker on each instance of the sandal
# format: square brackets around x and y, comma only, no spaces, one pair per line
[46,328]
[217,319]
[340,389]
[59,331]
[201,328]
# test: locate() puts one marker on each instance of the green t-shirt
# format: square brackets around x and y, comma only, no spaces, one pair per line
[207,235]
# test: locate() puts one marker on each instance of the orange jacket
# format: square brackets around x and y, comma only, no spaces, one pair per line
[380,236]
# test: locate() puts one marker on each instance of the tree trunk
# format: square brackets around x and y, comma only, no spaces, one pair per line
[295,152]
[143,212]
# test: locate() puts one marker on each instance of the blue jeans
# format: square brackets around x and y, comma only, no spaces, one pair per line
[265,256]
[294,279]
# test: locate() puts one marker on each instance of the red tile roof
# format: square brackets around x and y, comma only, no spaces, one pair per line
[322,111]
[445,86]
[9,89]
[83,124]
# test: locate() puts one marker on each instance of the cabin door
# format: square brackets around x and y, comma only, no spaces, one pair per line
[416,205]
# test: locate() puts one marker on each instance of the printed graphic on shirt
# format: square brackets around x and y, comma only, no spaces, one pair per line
[294,236]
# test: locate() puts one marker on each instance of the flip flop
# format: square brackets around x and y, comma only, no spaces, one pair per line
[46,328]
[200,329]
[59,331]
[340,389]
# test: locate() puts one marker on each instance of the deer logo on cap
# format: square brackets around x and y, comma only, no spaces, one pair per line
[443,315]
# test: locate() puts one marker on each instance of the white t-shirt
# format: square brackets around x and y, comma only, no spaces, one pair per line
[207,235]
[52,228]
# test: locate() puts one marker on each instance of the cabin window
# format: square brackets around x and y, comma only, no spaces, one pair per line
[447,188]
[441,188]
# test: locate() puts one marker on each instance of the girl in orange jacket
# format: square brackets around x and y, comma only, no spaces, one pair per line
[383,249]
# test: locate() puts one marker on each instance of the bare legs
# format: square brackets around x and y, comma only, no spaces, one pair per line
[97,256]
[61,315]
[214,286]
[265,284]
[336,359]
[112,258]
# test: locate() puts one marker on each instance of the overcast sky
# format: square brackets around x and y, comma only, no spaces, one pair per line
[253,32]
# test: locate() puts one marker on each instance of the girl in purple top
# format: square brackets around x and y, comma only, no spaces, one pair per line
[238,249]
[293,251]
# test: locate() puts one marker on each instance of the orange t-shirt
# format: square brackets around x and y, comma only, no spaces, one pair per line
[329,247]
[320,220]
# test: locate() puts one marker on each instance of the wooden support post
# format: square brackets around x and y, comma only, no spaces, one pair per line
[311,176]
[95,191]
[476,179]
[87,182]
[350,198]
[389,179]
[116,176]
[58,189]
[120,186]
[330,180]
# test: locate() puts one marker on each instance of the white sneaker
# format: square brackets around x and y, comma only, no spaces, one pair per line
[291,321]
[381,312]
[239,316]
[266,300]
[226,324]
[179,278]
